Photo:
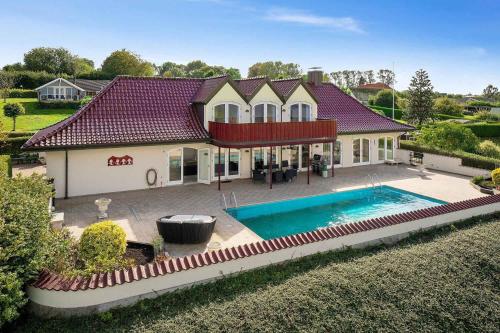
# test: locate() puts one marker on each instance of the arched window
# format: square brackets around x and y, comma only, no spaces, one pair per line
[300,112]
[265,113]
[227,113]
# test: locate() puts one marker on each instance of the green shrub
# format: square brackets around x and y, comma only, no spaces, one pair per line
[12,146]
[84,101]
[495,177]
[489,148]
[477,179]
[384,98]
[446,105]
[398,113]
[13,110]
[62,253]
[22,93]
[441,116]
[24,226]
[448,136]
[11,296]
[5,166]
[19,134]
[485,129]
[59,105]
[30,79]
[468,159]
[102,246]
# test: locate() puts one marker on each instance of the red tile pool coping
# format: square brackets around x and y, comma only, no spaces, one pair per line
[50,281]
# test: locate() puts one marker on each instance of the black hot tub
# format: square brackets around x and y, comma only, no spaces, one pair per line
[186,229]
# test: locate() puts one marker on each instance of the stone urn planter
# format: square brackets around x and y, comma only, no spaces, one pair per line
[102,205]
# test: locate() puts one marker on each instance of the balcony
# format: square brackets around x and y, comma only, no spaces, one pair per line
[272,134]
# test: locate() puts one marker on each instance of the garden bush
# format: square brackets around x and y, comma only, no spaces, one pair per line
[495,177]
[59,105]
[24,226]
[448,106]
[62,253]
[5,166]
[448,136]
[441,116]
[468,159]
[12,146]
[22,93]
[30,79]
[489,148]
[384,98]
[485,129]
[102,246]
[398,113]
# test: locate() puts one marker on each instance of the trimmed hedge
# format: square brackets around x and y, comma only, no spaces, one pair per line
[5,165]
[22,93]
[483,130]
[442,116]
[468,159]
[12,146]
[59,105]
[30,79]
[19,134]
[398,113]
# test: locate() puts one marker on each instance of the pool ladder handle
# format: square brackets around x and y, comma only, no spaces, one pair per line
[232,200]
[223,201]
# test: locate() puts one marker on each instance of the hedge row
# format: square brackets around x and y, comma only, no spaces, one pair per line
[19,134]
[22,93]
[12,146]
[32,80]
[441,116]
[483,130]
[59,105]
[468,159]
[5,165]
[398,113]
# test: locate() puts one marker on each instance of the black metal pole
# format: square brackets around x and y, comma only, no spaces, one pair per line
[270,166]
[218,171]
[308,163]
[333,159]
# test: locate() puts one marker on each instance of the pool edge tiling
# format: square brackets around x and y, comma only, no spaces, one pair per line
[275,219]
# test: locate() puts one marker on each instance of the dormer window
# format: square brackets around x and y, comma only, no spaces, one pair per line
[227,113]
[300,112]
[263,113]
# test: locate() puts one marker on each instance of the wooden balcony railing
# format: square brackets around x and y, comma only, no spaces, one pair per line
[272,134]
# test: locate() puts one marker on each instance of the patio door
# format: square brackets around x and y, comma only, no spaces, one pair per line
[204,165]
[304,156]
[174,166]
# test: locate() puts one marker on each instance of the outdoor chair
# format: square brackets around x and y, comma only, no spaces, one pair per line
[258,175]
[278,176]
[290,174]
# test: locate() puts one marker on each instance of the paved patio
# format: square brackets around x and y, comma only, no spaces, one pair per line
[137,211]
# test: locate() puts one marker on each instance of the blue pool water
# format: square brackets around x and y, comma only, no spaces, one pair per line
[282,218]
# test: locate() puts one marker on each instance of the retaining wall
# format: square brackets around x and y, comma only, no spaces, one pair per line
[55,295]
[443,163]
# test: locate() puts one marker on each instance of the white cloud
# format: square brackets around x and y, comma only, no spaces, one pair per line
[299,17]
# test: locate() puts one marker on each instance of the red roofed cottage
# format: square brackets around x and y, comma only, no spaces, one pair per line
[142,132]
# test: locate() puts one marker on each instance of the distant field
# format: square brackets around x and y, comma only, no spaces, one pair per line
[35,118]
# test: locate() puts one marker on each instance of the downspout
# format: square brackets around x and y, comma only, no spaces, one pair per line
[66,174]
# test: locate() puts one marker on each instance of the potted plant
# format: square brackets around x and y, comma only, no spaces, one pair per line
[324,169]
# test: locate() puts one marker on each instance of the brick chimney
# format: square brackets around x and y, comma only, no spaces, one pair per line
[315,77]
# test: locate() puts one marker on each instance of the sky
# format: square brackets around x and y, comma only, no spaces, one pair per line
[456,41]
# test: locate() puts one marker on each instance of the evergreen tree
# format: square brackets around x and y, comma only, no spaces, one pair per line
[420,104]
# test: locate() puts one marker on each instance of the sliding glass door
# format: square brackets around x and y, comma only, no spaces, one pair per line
[229,163]
[385,148]
[361,151]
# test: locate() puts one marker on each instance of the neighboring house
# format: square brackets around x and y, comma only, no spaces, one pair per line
[364,91]
[143,132]
[69,90]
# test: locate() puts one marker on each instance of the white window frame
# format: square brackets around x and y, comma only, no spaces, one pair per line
[385,148]
[265,151]
[225,151]
[226,111]
[361,151]
[331,154]
[300,111]
[265,111]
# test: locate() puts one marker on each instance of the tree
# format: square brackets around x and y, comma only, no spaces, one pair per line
[275,70]
[50,60]
[13,110]
[14,67]
[419,98]
[446,105]
[386,76]
[82,66]
[7,82]
[384,98]
[196,68]
[490,91]
[123,62]
[369,76]
[171,69]
[449,136]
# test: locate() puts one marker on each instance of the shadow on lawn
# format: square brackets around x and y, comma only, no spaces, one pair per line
[226,289]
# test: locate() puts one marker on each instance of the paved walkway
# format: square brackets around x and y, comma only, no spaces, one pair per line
[137,211]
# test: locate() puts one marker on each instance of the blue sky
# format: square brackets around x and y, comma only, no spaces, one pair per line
[457,42]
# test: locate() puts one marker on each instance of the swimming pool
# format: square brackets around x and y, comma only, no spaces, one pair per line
[288,217]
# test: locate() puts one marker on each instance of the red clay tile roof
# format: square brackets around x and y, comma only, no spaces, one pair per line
[51,281]
[134,110]
[130,110]
[374,86]
[351,115]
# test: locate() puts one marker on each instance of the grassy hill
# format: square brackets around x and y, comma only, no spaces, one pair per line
[35,117]
[446,280]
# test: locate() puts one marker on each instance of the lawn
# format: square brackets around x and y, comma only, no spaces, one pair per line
[35,118]
[444,280]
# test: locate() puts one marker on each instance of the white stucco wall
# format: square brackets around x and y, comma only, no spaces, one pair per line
[101,299]
[444,163]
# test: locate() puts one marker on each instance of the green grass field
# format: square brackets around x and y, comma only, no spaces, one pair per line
[439,281]
[34,118]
